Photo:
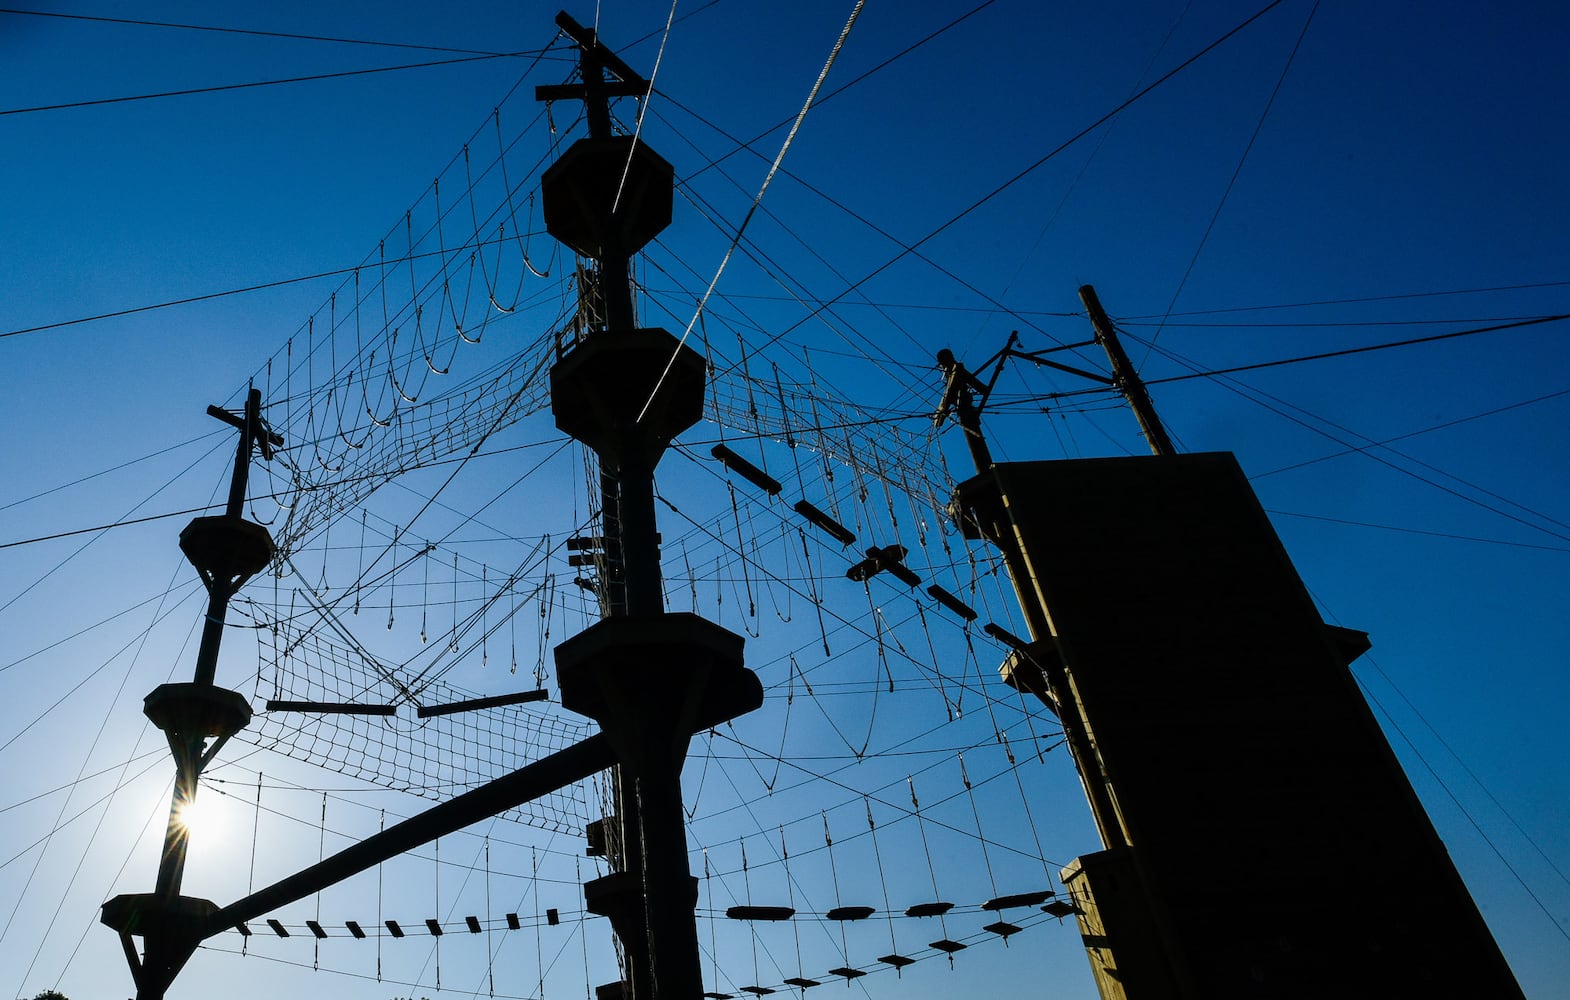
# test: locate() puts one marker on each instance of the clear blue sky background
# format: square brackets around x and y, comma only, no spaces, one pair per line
[1392,171]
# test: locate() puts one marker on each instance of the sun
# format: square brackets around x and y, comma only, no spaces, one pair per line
[198,817]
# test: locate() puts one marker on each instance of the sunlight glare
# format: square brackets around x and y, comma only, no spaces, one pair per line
[198,817]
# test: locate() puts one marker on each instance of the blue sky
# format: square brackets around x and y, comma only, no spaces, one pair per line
[1406,181]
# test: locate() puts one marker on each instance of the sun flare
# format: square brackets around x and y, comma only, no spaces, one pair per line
[197,817]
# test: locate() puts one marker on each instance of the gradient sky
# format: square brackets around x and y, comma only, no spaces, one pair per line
[1333,176]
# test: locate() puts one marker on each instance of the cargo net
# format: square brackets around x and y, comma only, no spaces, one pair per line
[435,758]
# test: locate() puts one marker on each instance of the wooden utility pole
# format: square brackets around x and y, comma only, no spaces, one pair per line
[1124,377]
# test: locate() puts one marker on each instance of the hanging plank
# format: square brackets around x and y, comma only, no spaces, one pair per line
[746,470]
[929,909]
[1018,899]
[475,704]
[849,913]
[760,912]
[329,707]
[835,530]
[954,604]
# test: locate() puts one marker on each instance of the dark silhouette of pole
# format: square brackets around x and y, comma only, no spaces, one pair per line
[982,507]
[649,678]
[222,552]
[1124,377]
[197,718]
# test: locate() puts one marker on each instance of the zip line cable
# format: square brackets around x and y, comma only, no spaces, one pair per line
[769,266]
[643,105]
[208,296]
[1563,877]
[1426,430]
[139,638]
[741,145]
[113,468]
[1472,820]
[1434,338]
[249,31]
[561,442]
[1419,531]
[258,83]
[155,751]
[83,547]
[1280,406]
[1362,299]
[141,644]
[790,137]
[1232,181]
[1033,167]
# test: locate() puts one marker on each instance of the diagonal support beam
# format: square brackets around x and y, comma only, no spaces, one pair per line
[545,775]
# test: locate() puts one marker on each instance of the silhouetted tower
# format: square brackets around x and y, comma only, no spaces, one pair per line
[649,678]
[226,551]
[1261,839]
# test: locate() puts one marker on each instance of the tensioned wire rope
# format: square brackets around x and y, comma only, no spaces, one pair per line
[1031,168]
[253,32]
[346,271]
[857,798]
[277,495]
[167,483]
[1455,799]
[226,87]
[1219,375]
[140,642]
[1232,181]
[1280,406]
[863,630]
[795,421]
[1393,297]
[741,228]
[795,289]
[1401,529]
[472,868]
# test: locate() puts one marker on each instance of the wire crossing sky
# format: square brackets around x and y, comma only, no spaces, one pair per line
[1337,230]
